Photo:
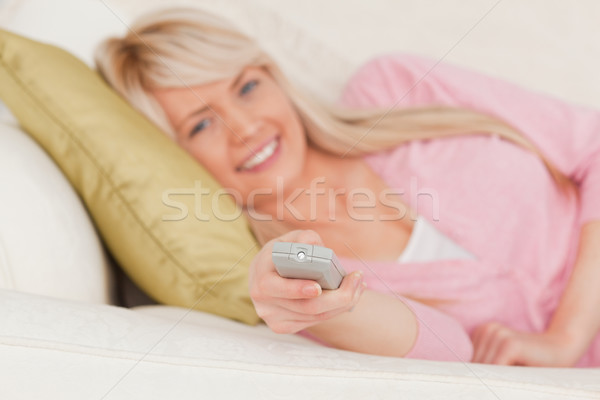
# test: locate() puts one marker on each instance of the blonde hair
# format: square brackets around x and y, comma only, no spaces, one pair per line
[181,47]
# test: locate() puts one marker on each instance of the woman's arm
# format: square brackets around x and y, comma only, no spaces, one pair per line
[577,319]
[387,325]
[351,318]
[574,325]
[344,318]
[378,324]
[568,135]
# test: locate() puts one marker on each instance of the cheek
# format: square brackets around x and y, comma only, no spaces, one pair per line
[297,133]
[206,156]
[279,105]
[214,165]
[292,122]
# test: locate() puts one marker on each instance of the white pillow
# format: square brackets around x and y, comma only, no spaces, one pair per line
[48,245]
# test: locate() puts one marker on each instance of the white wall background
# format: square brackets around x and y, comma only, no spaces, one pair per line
[548,45]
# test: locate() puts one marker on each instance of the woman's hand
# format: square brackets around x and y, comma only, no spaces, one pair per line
[495,343]
[291,305]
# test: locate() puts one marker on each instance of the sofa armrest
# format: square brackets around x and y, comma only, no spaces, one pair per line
[48,244]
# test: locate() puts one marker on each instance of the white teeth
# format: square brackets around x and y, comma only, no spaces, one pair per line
[262,155]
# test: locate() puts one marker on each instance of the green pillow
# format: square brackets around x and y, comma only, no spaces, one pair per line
[136,183]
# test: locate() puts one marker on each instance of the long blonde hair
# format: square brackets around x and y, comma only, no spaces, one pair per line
[188,47]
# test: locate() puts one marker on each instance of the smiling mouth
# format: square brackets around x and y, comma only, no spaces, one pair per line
[261,156]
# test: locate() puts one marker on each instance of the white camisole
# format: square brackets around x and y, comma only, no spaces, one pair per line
[426,243]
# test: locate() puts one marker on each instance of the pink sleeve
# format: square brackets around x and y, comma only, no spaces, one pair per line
[440,337]
[567,134]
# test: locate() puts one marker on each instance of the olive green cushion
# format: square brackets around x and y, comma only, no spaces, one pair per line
[136,184]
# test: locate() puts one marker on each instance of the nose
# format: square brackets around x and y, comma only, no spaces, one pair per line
[243,124]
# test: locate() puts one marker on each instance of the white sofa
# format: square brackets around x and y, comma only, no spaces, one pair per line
[64,330]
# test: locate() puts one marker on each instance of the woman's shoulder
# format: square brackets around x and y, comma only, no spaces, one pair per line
[393,63]
[394,78]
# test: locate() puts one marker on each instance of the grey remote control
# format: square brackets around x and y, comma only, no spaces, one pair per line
[307,261]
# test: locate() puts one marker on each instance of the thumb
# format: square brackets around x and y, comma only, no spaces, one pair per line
[309,236]
[306,236]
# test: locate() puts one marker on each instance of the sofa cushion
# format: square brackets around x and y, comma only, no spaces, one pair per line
[48,245]
[75,351]
[142,191]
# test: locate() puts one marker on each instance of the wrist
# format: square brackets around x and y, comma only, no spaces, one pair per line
[571,341]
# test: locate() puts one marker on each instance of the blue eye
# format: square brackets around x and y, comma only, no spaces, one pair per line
[248,87]
[205,123]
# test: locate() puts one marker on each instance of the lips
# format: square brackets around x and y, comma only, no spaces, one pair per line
[262,156]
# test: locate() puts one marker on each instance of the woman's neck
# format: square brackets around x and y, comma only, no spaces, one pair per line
[336,171]
[324,183]
[340,198]
[315,198]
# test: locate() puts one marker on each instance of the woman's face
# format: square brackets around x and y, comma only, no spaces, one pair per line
[243,130]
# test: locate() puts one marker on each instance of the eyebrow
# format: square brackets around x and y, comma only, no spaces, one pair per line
[237,80]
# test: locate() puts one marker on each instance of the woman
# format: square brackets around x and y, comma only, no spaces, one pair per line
[503,182]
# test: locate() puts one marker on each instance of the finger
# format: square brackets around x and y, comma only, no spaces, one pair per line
[497,340]
[345,308]
[274,286]
[343,298]
[291,326]
[482,341]
[280,320]
[490,353]
[357,296]
[307,236]
[507,353]
[476,339]
[280,315]
[275,315]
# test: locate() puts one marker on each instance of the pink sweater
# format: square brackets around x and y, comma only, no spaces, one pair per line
[491,197]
